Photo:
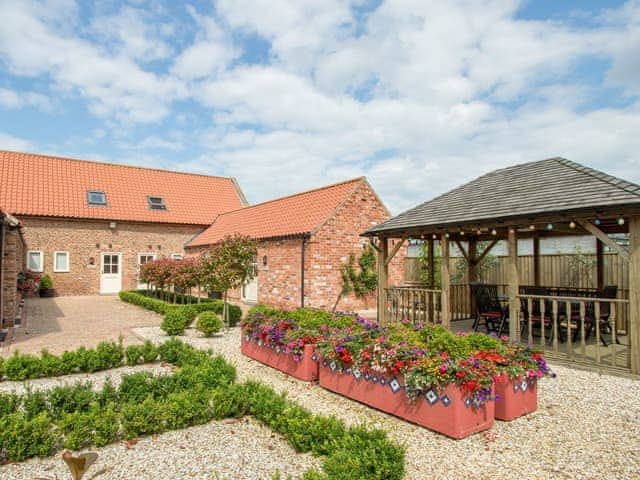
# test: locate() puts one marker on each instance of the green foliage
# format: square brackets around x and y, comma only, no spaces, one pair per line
[46,282]
[76,428]
[33,403]
[170,350]
[364,280]
[143,418]
[581,268]
[22,438]
[209,323]
[229,265]
[175,321]
[227,402]
[70,398]
[8,403]
[105,425]
[423,259]
[365,454]
[184,409]
[51,365]
[22,367]
[133,355]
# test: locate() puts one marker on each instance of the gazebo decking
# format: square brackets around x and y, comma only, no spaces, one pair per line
[553,197]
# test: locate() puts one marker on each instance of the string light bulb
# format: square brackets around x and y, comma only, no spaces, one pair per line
[597,221]
[532,227]
[494,232]
[446,234]
[572,225]
[434,236]
[549,226]
[620,220]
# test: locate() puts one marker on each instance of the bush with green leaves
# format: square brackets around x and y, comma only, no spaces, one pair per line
[137,354]
[209,323]
[175,321]
[22,366]
[22,438]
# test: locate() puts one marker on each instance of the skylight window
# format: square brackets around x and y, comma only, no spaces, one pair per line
[96,197]
[156,203]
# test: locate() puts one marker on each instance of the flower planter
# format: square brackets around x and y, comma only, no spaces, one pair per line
[447,412]
[47,292]
[515,397]
[305,369]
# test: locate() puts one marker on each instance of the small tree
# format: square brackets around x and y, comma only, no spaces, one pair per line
[229,265]
[360,281]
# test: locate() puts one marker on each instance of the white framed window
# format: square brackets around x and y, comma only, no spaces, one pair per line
[35,260]
[177,256]
[144,258]
[60,261]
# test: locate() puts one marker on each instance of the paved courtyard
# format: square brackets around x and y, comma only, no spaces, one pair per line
[66,323]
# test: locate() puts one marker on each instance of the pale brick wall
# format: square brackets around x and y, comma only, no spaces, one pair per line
[12,263]
[85,239]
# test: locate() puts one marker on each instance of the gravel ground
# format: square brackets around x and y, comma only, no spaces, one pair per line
[97,379]
[586,427]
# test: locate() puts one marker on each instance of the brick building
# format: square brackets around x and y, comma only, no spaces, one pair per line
[89,225]
[12,258]
[303,240]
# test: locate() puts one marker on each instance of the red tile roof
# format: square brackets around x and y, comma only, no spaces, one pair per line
[48,186]
[294,215]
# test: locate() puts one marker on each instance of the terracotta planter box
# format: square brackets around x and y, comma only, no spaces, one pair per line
[446,412]
[515,397]
[306,369]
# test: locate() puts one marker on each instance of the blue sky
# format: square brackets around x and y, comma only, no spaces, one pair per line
[289,95]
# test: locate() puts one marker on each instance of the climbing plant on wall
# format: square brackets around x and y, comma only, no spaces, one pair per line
[361,280]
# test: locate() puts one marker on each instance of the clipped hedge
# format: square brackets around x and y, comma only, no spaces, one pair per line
[209,323]
[142,299]
[107,355]
[201,389]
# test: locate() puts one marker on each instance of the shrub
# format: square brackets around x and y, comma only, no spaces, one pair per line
[21,438]
[76,428]
[9,403]
[209,323]
[175,322]
[22,366]
[46,282]
[184,409]
[227,402]
[105,425]
[33,404]
[136,387]
[133,354]
[149,352]
[51,365]
[170,350]
[70,398]
[109,354]
[1,367]
[143,418]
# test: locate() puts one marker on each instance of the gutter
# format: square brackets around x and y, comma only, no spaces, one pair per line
[302,252]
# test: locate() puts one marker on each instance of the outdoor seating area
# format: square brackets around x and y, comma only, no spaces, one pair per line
[597,326]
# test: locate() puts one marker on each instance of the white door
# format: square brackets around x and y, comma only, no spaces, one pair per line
[142,259]
[250,289]
[111,273]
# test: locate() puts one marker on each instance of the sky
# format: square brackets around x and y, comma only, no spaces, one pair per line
[286,95]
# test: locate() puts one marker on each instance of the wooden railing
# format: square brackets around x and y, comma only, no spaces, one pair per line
[577,329]
[418,305]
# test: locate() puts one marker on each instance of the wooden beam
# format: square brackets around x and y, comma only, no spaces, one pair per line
[634,293]
[395,250]
[604,238]
[536,260]
[431,279]
[513,287]
[487,250]
[383,281]
[445,283]
[373,244]
[463,251]
[472,271]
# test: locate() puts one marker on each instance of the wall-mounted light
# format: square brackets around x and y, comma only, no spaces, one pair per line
[92,261]
[264,259]
[112,225]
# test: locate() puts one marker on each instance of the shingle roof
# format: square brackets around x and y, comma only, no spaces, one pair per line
[294,215]
[547,186]
[43,185]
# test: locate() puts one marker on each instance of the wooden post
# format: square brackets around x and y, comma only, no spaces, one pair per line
[513,286]
[445,282]
[472,274]
[431,279]
[536,259]
[599,265]
[383,281]
[634,293]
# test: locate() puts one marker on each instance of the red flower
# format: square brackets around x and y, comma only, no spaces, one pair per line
[470,386]
[444,355]
[346,357]
[461,374]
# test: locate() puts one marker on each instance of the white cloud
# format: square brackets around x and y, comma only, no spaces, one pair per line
[10,142]
[15,100]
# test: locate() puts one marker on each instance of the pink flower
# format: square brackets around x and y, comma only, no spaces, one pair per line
[443,368]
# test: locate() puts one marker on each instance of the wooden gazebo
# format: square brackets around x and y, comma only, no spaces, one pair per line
[553,197]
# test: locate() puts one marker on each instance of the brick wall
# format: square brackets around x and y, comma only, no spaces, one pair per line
[12,264]
[330,247]
[86,239]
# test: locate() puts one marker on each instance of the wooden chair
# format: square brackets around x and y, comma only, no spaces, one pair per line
[488,308]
